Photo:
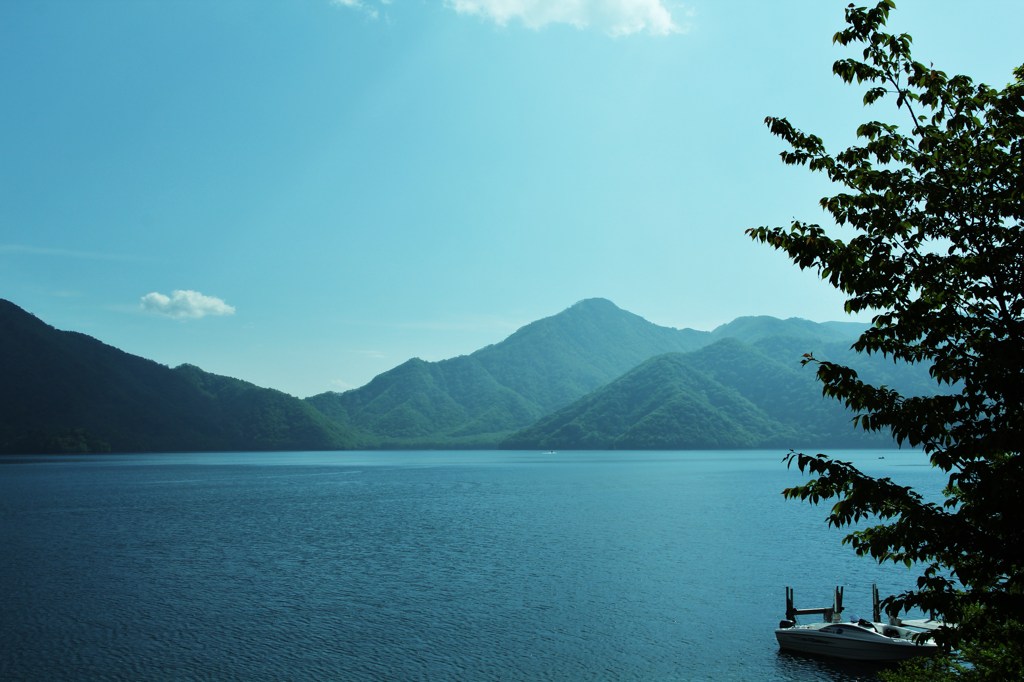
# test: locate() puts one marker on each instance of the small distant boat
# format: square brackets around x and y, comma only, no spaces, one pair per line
[855,641]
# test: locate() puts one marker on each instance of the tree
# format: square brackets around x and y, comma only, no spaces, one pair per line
[936,210]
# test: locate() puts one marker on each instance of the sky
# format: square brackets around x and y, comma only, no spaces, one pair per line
[306,193]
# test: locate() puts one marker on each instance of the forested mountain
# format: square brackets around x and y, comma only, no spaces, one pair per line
[592,376]
[726,395]
[758,328]
[741,385]
[67,392]
[479,398]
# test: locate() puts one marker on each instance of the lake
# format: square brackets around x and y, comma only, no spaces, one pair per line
[421,565]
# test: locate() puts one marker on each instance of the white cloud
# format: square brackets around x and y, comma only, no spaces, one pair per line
[361,5]
[615,17]
[185,304]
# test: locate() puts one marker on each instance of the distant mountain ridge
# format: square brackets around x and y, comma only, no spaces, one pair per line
[482,397]
[509,393]
[725,395]
[67,392]
[593,376]
[759,327]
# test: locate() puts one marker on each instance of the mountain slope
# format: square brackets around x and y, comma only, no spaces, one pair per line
[67,392]
[758,328]
[475,399]
[593,376]
[726,395]
[666,403]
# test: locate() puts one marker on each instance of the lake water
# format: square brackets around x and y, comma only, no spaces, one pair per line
[420,565]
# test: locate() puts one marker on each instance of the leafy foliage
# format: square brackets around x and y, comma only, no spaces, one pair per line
[936,207]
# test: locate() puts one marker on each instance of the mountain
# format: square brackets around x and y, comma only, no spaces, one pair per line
[728,394]
[592,376]
[477,399]
[68,392]
[740,385]
[746,389]
[762,327]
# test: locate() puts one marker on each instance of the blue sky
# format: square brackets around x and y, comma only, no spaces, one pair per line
[335,186]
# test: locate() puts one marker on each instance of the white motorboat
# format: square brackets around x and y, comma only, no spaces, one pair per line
[858,641]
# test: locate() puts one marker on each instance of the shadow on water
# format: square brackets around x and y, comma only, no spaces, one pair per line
[791,666]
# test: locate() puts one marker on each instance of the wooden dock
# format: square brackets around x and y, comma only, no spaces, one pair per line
[831,614]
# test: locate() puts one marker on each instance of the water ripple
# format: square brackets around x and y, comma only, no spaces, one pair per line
[597,567]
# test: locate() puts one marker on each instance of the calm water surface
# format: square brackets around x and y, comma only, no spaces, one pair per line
[419,566]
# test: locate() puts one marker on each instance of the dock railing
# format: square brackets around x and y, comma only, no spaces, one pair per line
[831,614]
